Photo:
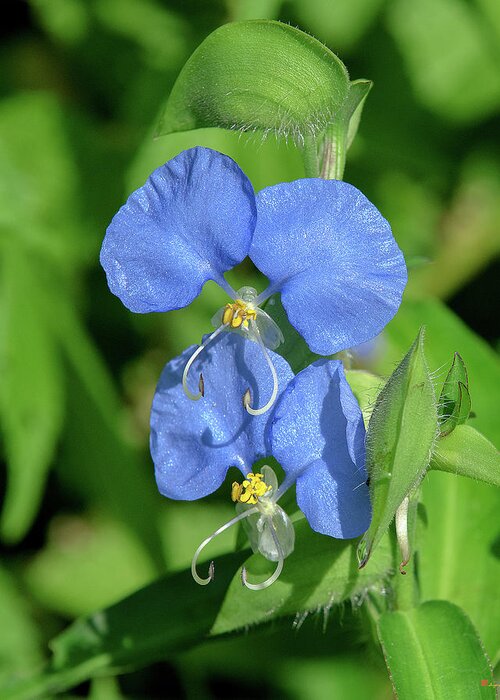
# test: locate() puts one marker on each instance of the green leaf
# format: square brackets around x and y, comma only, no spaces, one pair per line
[167,616]
[465,451]
[433,652]
[340,134]
[454,403]
[258,74]
[399,441]
[459,549]
[175,613]
[320,572]
[31,390]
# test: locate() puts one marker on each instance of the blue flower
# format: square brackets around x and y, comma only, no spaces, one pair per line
[321,244]
[315,431]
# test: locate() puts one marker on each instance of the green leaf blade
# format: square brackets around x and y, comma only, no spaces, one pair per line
[321,572]
[174,613]
[433,652]
[468,453]
[258,74]
[459,550]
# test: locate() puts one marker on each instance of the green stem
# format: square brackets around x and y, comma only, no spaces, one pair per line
[334,153]
[310,156]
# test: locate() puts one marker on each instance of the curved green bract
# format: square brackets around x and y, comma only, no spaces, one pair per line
[399,441]
[258,75]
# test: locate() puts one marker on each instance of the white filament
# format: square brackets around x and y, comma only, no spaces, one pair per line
[279,568]
[189,394]
[223,528]
[246,395]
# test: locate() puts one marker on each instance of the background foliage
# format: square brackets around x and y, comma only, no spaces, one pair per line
[82,86]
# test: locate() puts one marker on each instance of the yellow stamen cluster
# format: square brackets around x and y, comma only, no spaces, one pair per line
[250,490]
[238,314]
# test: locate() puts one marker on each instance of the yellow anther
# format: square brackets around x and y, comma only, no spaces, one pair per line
[250,490]
[227,314]
[238,314]
[236,490]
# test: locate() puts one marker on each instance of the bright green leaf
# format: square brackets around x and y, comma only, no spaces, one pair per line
[465,451]
[321,572]
[167,616]
[433,652]
[399,441]
[459,549]
[258,74]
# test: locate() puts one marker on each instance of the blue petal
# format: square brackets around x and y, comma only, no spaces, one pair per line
[193,443]
[192,221]
[332,254]
[317,435]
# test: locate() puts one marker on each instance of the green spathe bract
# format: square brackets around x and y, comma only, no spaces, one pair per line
[454,402]
[400,437]
[258,74]
[340,134]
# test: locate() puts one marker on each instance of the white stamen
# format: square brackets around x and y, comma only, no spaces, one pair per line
[211,568]
[279,568]
[189,394]
[246,396]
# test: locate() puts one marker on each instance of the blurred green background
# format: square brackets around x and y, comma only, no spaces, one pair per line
[83,83]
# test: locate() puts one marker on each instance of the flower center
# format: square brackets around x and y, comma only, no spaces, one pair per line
[250,490]
[238,314]
[242,316]
[269,529]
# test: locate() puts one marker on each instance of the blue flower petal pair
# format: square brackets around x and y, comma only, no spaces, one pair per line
[320,243]
[315,431]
